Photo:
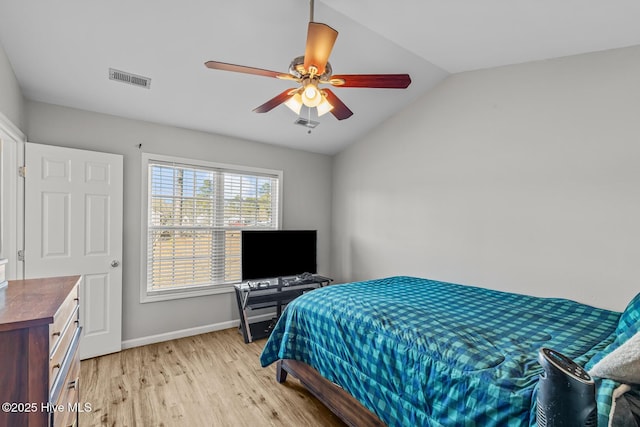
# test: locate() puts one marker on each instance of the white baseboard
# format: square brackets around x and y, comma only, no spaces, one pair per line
[183,333]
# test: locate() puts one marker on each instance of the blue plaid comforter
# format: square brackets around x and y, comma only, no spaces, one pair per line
[419,352]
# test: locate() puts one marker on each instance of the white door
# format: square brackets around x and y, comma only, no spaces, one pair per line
[73,225]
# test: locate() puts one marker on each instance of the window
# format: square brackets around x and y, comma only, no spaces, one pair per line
[192,219]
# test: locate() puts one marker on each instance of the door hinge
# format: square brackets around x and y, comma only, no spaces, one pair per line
[21,255]
[22,171]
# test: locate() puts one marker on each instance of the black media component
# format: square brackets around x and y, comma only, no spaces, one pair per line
[566,393]
[278,253]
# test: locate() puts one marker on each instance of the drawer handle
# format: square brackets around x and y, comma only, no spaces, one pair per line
[56,334]
[73,384]
[56,366]
[76,299]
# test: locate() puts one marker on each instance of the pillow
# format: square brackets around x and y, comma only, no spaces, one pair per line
[630,319]
[622,364]
[628,326]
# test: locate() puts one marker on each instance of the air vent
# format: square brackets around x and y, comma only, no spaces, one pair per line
[306,123]
[132,79]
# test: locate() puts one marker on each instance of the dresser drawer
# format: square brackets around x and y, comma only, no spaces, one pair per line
[63,396]
[61,332]
[67,310]
[66,406]
[59,351]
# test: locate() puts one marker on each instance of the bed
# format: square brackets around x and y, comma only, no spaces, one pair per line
[406,351]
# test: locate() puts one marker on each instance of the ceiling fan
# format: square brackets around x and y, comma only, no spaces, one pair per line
[312,70]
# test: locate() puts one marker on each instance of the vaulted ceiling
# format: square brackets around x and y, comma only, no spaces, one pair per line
[61,52]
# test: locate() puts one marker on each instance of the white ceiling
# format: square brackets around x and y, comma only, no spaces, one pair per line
[61,52]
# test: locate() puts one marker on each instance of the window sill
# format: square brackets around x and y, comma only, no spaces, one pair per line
[181,293]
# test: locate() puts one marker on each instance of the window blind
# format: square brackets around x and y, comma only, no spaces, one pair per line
[195,217]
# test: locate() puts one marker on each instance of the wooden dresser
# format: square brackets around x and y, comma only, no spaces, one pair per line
[39,359]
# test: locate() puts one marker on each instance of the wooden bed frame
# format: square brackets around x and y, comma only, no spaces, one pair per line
[341,403]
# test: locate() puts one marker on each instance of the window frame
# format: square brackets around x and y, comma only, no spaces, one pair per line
[148,295]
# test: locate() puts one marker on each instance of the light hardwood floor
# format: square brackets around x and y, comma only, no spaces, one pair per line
[213,379]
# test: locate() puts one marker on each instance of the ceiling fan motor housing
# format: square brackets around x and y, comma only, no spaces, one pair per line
[296,68]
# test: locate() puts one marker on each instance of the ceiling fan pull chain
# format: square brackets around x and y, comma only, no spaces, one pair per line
[311,11]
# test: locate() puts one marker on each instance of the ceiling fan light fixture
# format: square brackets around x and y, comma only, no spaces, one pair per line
[311,96]
[294,103]
[324,107]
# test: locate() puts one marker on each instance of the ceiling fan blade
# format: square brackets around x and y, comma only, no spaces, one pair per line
[340,110]
[384,81]
[215,65]
[320,41]
[275,101]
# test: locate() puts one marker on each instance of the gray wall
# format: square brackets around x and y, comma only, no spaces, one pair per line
[306,198]
[523,178]
[11,100]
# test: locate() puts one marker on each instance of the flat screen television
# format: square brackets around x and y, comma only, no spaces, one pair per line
[278,253]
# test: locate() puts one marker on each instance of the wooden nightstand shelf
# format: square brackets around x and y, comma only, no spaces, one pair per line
[263,294]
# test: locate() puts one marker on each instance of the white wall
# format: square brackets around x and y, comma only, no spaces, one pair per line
[306,198]
[522,178]
[11,100]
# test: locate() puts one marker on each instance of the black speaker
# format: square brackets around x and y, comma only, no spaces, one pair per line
[566,393]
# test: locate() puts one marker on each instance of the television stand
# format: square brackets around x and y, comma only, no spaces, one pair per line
[263,294]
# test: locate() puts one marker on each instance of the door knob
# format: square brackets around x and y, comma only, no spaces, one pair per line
[115,263]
